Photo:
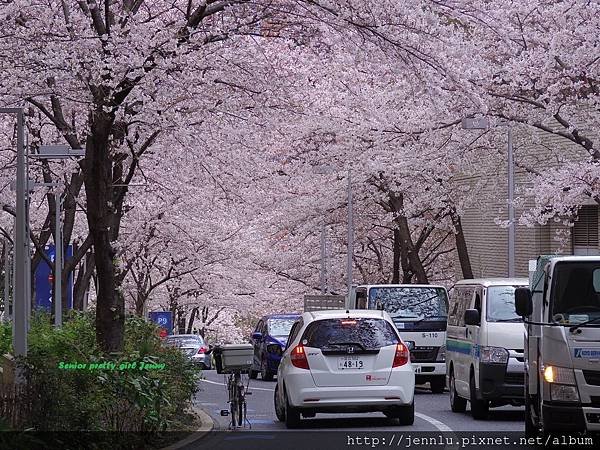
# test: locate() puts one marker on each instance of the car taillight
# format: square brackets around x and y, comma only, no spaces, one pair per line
[401,356]
[298,357]
[202,350]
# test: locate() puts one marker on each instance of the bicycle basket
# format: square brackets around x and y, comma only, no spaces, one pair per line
[235,357]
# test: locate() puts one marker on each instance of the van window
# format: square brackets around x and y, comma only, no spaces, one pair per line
[462,297]
[500,304]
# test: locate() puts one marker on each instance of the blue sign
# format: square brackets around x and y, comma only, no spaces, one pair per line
[163,319]
[43,281]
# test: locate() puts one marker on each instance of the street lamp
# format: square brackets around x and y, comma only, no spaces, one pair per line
[482,123]
[324,170]
[57,152]
[20,288]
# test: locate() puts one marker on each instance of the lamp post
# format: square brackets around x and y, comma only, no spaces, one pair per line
[323,170]
[57,152]
[350,235]
[21,248]
[482,123]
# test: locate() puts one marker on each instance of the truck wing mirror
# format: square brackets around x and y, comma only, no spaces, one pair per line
[523,303]
[472,317]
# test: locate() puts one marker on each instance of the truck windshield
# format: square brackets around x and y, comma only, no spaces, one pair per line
[500,304]
[410,303]
[575,292]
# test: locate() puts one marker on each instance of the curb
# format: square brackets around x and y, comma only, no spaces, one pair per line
[207,426]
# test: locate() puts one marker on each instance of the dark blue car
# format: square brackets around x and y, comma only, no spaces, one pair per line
[269,339]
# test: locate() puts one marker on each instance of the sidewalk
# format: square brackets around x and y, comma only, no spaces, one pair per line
[205,428]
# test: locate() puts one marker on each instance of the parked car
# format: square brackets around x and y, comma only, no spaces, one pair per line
[342,361]
[193,346]
[269,339]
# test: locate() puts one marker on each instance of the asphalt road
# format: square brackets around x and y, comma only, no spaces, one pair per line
[432,412]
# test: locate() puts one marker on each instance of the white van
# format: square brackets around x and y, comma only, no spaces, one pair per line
[484,346]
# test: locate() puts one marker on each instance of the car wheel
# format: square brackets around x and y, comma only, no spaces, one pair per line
[292,415]
[265,373]
[479,408]
[457,403]
[438,384]
[279,412]
[253,374]
[404,414]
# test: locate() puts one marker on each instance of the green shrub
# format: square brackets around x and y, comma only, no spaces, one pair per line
[104,399]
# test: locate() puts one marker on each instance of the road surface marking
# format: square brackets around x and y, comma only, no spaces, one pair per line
[436,423]
[251,388]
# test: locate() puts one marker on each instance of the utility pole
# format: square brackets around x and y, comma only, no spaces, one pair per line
[511,207]
[21,248]
[350,234]
[58,259]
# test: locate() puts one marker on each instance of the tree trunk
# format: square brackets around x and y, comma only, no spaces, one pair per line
[110,309]
[461,246]
[192,318]
[82,282]
[406,243]
[396,262]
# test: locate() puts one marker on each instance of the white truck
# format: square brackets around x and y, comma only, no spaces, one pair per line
[561,310]
[420,312]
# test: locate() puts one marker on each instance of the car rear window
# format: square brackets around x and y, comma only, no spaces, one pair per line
[183,342]
[368,333]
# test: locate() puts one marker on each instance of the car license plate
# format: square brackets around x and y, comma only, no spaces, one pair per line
[350,362]
[417,369]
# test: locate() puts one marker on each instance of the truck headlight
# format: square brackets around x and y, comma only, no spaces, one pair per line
[441,356]
[496,355]
[564,393]
[559,375]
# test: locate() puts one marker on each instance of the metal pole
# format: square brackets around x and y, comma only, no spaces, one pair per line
[6,312]
[323,257]
[58,244]
[350,235]
[28,283]
[511,208]
[21,245]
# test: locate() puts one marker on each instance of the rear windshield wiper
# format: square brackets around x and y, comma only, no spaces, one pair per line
[348,343]
[574,327]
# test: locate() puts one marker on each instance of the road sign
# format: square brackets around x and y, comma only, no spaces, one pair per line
[322,302]
[164,319]
[44,281]
[475,123]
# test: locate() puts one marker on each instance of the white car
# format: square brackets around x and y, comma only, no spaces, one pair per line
[342,361]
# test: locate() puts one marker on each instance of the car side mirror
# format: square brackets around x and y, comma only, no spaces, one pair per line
[257,336]
[472,317]
[523,303]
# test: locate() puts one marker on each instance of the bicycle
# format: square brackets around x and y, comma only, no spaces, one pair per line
[236,389]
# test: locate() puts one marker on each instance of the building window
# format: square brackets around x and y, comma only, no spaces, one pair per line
[585,231]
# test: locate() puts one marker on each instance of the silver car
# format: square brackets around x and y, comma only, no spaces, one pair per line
[193,346]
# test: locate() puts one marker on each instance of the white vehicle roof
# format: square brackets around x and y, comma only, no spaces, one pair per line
[403,285]
[575,258]
[494,282]
[343,313]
